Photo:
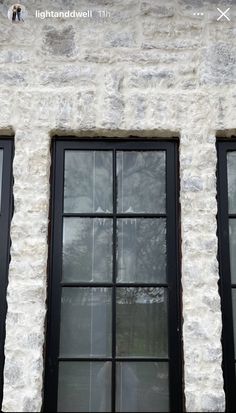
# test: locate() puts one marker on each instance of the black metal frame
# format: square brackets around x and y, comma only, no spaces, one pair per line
[223,147]
[173,265]
[6,144]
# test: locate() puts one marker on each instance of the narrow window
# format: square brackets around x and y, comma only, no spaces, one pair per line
[227,260]
[6,152]
[114,323]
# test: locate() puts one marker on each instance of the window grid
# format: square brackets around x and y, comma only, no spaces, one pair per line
[171,285]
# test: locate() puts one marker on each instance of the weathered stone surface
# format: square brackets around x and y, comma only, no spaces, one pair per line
[60,42]
[149,8]
[12,78]
[78,75]
[219,64]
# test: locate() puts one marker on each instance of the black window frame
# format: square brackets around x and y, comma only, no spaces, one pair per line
[225,286]
[7,145]
[59,145]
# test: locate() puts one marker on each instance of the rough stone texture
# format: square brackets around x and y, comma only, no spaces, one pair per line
[150,69]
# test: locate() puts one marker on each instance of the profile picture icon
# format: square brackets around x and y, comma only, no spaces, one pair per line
[17,13]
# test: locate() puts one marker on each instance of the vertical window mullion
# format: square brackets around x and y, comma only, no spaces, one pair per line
[113,384]
[54,311]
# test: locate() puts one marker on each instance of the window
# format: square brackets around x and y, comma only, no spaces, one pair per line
[6,152]
[227,260]
[113,341]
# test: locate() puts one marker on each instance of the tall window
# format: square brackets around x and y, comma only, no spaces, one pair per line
[6,152]
[114,321]
[227,259]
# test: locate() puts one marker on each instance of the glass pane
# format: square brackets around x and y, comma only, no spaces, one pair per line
[85,322]
[141,181]
[87,250]
[231,166]
[234,316]
[88,181]
[232,245]
[84,387]
[142,250]
[1,165]
[142,387]
[141,324]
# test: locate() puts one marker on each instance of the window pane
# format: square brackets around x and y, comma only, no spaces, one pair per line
[231,166]
[141,182]
[85,322]
[232,245]
[84,387]
[87,250]
[142,250]
[1,164]
[142,322]
[88,181]
[142,387]
[234,316]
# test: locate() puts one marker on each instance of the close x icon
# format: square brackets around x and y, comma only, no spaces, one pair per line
[223,14]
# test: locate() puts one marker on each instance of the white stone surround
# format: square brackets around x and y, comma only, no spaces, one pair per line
[151,69]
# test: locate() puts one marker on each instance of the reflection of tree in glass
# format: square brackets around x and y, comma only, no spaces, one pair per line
[88,181]
[231,166]
[142,250]
[85,322]
[142,322]
[80,387]
[232,243]
[141,181]
[87,249]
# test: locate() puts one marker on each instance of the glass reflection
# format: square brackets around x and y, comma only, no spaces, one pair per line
[141,322]
[141,180]
[142,387]
[141,250]
[231,167]
[88,181]
[232,245]
[85,322]
[234,316]
[84,387]
[87,250]
[1,166]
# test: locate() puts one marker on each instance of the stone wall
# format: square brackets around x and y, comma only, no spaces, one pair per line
[150,69]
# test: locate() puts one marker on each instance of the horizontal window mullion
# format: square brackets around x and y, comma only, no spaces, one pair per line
[140,215]
[117,285]
[143,359]
[87,215]
[118,359]
[79,359]
[111,215]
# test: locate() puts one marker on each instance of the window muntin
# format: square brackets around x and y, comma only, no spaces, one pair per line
[6,154]
[118,257]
